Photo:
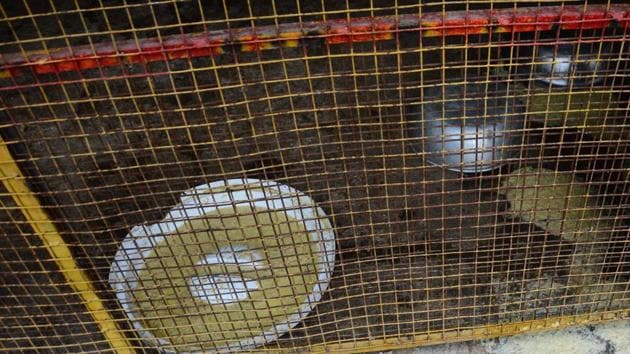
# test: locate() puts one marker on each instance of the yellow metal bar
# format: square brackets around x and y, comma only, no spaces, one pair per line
[14,182]
[476,333]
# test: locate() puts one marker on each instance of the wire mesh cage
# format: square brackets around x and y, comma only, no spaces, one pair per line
[327,176]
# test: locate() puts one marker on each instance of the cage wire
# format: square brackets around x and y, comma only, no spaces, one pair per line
[116,114]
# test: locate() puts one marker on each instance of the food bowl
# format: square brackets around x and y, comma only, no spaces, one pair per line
[467,128]
[561,64]
[234,265]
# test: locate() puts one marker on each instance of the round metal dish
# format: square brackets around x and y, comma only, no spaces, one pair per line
[223,197]
[467,128]
[562,64]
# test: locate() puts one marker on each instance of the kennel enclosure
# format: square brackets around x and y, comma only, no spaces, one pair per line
[112,109]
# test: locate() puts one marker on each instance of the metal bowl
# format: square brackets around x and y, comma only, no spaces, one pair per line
[562,63]
[468,128]
[218,282]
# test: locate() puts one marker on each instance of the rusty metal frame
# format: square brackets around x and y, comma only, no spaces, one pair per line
[476,333]
[267,37]
[212,43]
[26,201]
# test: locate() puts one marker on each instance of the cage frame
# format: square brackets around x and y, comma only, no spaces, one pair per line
[458,23]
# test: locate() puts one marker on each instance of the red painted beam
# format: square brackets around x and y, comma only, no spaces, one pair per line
[456,23]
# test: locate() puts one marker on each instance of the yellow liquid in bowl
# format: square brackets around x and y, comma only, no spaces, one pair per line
[265,248]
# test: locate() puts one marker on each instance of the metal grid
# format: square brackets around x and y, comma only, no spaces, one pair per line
[110,110]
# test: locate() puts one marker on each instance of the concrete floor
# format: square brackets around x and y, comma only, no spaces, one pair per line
[606,338]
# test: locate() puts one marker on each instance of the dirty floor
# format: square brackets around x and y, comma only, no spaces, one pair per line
[605,338]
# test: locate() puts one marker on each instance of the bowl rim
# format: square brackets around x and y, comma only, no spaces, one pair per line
[205,198]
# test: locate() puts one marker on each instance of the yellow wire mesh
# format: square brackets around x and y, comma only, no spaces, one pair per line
[424,252]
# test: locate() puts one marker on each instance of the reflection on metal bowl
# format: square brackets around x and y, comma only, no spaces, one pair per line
[468,128]
[560,64]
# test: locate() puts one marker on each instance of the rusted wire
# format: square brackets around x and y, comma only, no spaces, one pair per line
[112,110]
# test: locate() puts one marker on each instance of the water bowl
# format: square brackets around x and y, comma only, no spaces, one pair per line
[233,266]
[469,128]
[562,64]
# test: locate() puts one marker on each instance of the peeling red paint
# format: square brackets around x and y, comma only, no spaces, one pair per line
[360,30]
[255,42]
[621,15]
[596,17]
[175,48]
[574,19]
[186,46]
[43,65]
[338,32]
[290,39]
[525,21]
[456,23]
[151,51]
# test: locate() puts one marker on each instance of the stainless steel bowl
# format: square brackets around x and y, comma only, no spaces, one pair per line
[560,64]
[468,128]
